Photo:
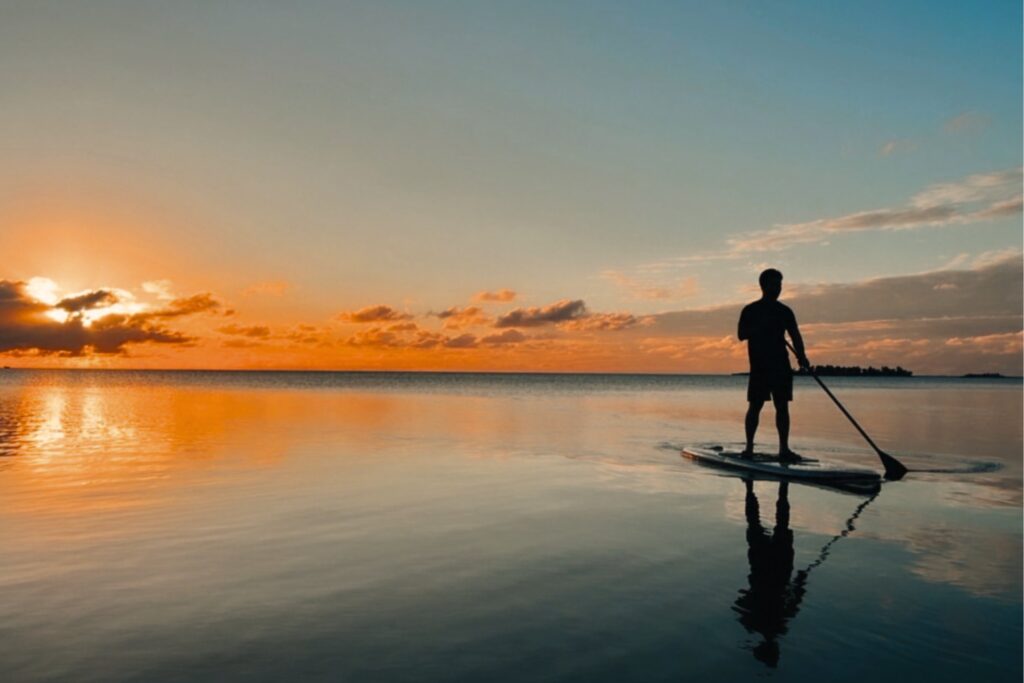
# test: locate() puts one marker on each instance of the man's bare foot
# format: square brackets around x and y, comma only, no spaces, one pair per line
[747,453]
[789,456]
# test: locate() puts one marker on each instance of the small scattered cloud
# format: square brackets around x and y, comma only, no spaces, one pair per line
[374,336]
[1008,343]
[306,334]
[242,343]
[682,288]
[896,146]
[456,318]
[605,322]
[463,341]
[504,338]
[558,312]
[258,331]
[501,295]
[373,314]
[190,305]
[161,289]
[967,122]
[408,336]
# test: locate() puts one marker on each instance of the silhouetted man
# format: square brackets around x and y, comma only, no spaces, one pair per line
[763,325]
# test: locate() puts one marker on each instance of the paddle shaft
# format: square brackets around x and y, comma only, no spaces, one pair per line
[845,411]
[894,469]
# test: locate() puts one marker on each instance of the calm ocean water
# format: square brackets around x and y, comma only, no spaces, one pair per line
[210,526]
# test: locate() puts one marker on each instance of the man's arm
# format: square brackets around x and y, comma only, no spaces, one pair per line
[745,330]
[798,341]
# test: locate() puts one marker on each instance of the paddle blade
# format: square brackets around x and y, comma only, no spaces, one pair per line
[894,469]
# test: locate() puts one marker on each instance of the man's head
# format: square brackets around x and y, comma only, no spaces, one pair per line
[771,284]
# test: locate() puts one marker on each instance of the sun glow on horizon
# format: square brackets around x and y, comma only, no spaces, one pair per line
[47,291]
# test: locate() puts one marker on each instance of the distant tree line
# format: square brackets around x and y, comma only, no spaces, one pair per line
[857,371]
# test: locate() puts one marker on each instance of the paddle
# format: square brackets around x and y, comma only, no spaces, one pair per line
[894,469]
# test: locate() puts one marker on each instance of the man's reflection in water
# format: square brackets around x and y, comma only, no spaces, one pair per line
[774,595]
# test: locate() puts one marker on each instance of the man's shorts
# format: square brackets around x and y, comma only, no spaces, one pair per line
[767,385]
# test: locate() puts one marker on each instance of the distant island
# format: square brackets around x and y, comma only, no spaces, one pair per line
[856,371]
[849,371]
[983,375]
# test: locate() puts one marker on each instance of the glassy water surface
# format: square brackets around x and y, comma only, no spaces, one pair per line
[180,526]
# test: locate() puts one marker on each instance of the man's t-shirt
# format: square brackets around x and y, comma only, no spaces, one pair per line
[766,322]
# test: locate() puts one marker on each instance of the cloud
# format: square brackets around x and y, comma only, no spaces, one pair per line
[993,288]
[612,322]
[1002,209]
[967,122]
[403,327]
[993,186]
[681,289]
[307,334]
[258,331]
[1008,343]
[373,314]
[973,199]
[26,325]
[893,146]
[197,303]
[463,341]
[560,311]
[502,295]
[997,257]
[457,318]
[161,289]
[905,320]
[99,298]
[504,338]
[408,336]
[374,336]
[242,343]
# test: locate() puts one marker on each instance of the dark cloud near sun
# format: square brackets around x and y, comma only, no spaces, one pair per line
[26,324]
[81,302]
[26,327]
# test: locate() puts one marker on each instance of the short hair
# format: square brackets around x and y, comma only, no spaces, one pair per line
[770,275]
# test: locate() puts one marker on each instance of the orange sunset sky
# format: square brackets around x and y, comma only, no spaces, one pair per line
[499,190]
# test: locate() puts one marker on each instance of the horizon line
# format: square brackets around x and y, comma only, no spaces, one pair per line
[976,375]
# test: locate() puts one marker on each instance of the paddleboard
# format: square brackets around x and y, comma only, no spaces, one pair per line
[816,471]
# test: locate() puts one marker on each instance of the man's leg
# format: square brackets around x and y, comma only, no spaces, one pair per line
[782,423]
[753,415]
